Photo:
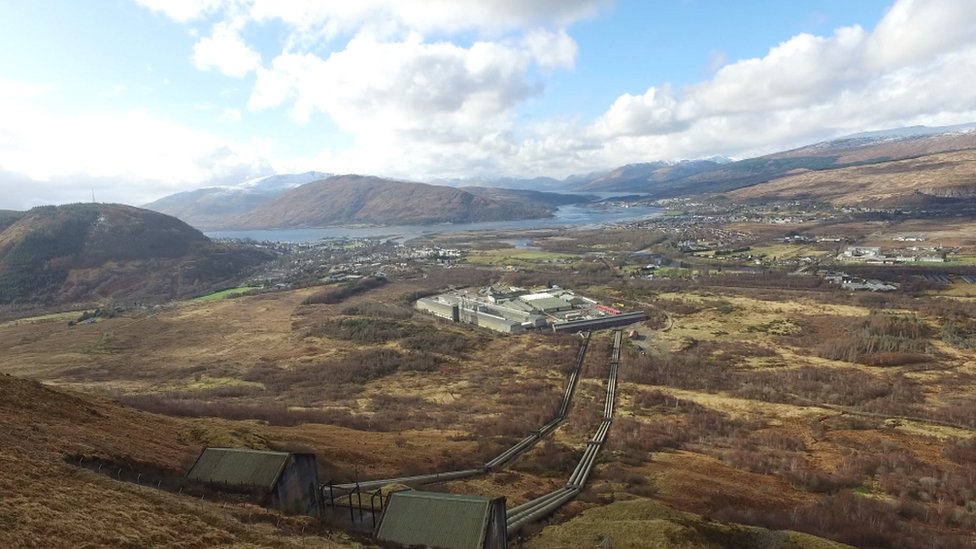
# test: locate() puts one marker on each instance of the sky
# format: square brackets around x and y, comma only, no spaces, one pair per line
[132,100]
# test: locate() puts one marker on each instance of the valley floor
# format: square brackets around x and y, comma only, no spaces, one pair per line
[736,412]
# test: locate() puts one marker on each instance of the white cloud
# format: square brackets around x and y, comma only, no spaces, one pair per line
[801,70]
[389,85]
[418,107]
[913,31]
[225,51]
[655,112]
[401,83]
[230,115]
[184,10]
[410,104]
[12,91]
[407,85]
[423,15]
[918,66]
[137,153]
[115,91]
[551,49]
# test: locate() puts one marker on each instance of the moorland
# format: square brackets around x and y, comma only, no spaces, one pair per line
[754,395]
[805,376]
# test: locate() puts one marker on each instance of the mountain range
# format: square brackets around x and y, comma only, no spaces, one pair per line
[929,179]
[359,200]
[660,180]
[211,206]
[817,171]
[355,200]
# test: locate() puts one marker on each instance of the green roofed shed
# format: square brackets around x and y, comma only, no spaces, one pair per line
[239,467]
[443,521]
[284,480]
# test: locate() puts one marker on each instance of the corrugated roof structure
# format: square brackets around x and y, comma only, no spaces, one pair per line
[444,521]
[546,302]
[239,467]
[517,305]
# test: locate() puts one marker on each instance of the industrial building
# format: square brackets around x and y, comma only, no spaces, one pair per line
[546,302]
[444,306]
[523,314]
[283,480]
[501,317]
[600,323]
[481,315]
[443,521]
[514,310]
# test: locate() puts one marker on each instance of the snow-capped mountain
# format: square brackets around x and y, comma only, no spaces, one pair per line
[911,132]
[211,207]
[280,182]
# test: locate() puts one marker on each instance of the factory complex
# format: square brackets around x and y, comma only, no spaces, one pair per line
[512,310]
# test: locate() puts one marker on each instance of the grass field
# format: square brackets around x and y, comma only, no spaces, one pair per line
[961,260]
[52,317]
[631,524]
[787,251]
[733,413]
[48,501]
[224,294]
[517,257]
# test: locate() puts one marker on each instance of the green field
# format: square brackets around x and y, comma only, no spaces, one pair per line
[50,317]
[223,294]
[786,251]
[964,260]
[514,257]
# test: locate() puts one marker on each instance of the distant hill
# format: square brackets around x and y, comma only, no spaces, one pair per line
[86,252]
[887,145]
[645,176]
[262,203]
[665,180]
[928,179]
[549,184]
[212,207]
[546,199]
[8,218]
[354,199]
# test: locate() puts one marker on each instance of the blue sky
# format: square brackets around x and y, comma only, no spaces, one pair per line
[141,98]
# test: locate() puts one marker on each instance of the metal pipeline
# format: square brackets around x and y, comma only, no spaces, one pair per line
[412,480]
[527,508]
[540,507]
[542,511]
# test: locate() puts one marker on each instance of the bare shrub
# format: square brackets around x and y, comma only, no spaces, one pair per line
[378,310]
[886,339]
[960,332]
[679,306]
[858,521]
[345,291]
[355,368]
[845,387]
[443,342]
[364,330]
[550,459]
[272,413]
